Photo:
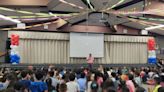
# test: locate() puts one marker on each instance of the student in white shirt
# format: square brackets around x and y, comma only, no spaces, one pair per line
[72,85]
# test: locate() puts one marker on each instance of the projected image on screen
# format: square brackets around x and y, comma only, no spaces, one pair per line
[81,44]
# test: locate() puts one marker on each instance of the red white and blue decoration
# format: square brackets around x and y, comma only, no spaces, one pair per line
[151,51]
[14,54]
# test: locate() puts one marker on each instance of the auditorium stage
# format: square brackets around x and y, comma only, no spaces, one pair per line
[70,66]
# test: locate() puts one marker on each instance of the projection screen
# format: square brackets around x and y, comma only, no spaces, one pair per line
[81,44]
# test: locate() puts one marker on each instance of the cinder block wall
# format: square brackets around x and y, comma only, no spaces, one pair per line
[3,38]
[160,42]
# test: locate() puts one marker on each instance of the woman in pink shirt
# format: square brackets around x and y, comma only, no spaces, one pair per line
[130,83]
[90,61]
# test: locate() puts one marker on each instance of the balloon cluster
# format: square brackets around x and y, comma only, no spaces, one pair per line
[151,51]
[14,54]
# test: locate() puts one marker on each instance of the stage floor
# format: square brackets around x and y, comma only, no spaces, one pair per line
[70,66]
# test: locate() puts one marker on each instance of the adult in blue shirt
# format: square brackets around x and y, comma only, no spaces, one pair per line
[82,82]
[25,81]
[38,85]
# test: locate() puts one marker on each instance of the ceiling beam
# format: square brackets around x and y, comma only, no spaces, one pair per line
[154,16]
[52,4]
[24,2]
[156,5]
[62,12]
[127,4]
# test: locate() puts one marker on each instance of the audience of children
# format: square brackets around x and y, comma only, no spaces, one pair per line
[82,80]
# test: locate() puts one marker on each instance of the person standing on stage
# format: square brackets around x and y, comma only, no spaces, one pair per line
[90,60]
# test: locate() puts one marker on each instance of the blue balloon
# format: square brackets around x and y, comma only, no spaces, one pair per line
[152,60]
[14,58]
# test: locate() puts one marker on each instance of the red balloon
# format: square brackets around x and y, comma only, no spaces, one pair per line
[12,35]
[12,43]
[16,44]
[14,39]
[151,44]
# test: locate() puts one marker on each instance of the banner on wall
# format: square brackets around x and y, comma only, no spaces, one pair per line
[14,54]
[151,51]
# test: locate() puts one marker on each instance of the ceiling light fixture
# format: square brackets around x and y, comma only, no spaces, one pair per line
[36,25]
[6,9]
[121,1]
[10,19]
[71,4]
[25,12]
[89,3]
[50,13]
[154,27]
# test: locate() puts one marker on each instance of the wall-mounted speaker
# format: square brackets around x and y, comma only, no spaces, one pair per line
[8,43]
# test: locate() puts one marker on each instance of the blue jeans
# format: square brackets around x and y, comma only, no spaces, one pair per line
[90,65]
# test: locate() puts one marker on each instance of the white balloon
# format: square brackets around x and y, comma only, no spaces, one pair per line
[15,47]
[13,50]
[12,53]
[11,46]
[14,63]
[17,53]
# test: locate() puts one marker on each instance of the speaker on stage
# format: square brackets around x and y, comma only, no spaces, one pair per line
[7,56]
[8,43]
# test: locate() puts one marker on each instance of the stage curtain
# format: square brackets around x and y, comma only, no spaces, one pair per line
[128,53]
[43,51]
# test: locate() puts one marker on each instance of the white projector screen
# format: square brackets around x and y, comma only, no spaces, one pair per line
[81,44]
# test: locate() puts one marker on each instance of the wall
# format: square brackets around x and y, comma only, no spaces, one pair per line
[3,38]
[160,43]
[46,48]
[160,40]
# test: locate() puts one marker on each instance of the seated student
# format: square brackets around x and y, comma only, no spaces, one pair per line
[72,86]
[18,87]
[9,80]
[161,89]
[122,87]
[140,89]
[4,85]
[63,87]
[53,79]
[130,83]
[108,84]
[113,77]
[94,86]
[90,78]
[157,84]
[110,89]
[49,84]
[162,77]
[137,78]
[82,82]
[38,85]
[25,81]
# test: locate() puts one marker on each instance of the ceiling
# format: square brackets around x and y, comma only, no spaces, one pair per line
[86,13]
